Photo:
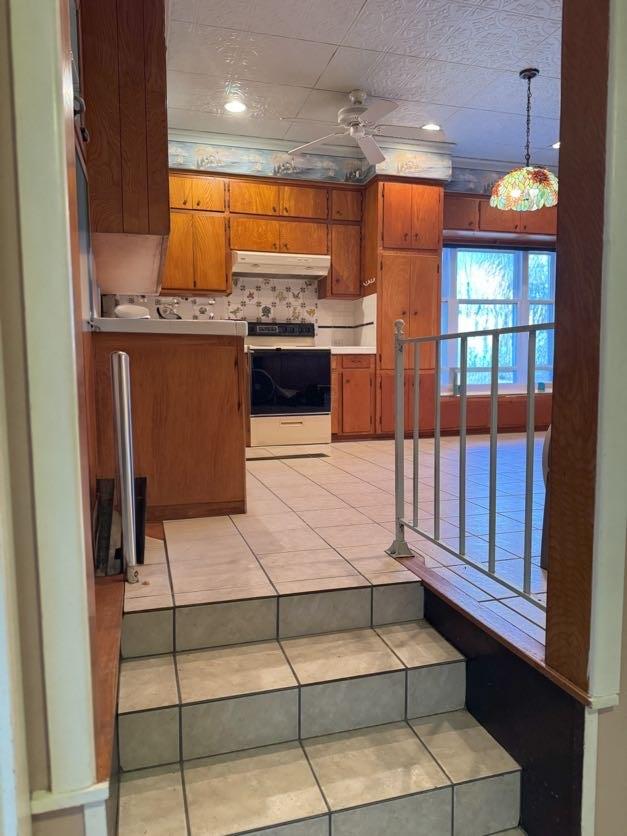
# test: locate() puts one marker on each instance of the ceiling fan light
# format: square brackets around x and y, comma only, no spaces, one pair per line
[525,189]
[431,126]
[556,145]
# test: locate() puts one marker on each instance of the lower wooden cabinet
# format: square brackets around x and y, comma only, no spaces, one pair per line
[196,258]
[386,402]
[353,395]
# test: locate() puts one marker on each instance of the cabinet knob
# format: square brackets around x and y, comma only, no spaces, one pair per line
[185,203]
[405,235]
[274,209]
[197,203]
[286,210]
[274,246]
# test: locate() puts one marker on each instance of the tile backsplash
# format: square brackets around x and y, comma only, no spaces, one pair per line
[338,322]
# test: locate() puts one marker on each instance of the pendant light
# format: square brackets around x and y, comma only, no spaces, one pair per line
[530,187]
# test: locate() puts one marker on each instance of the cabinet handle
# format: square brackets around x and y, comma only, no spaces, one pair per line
[405,235]
[185,203]
[197,203]
[274,246]
[292,423]
[274,209]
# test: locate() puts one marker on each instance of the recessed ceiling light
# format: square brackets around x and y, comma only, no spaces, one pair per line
[556,145]
[235,106]
[431,126]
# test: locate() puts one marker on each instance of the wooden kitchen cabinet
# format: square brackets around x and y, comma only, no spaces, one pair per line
[345,205]
[252,198]
[409,290]
[304,202]
[254,234]
[196,257]
[301,237]
[461,212]
[412,216]
[208,193]
[497,220]
[210,267]
[336,396]
[386,402]
[180,192]
[357,401]
[345,276]
[541,222]
[178,273]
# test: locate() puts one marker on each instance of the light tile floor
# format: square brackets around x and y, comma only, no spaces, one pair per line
[324,522]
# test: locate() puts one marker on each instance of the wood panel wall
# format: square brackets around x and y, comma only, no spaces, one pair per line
[577,337]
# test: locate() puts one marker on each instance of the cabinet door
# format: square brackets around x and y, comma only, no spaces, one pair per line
[386,401]
[254,234]
[393,304]
[397,215]
[254,198]
[310,238]
[178,273]
[424,304]
[345,260]
[208,193]
[345,205]
[357,401]
[304,202]
[497,220]
[180,192]
[541,222]
[336,401]
[426,217]
[210,270]
[461,212]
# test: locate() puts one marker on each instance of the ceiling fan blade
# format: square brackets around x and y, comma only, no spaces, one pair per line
[371,150]
[378,109]
[316,142]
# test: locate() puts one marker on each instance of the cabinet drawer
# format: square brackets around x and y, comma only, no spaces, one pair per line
[357,361]
[277,430]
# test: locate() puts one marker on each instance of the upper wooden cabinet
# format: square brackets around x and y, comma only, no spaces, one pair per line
[299,237]
[248,197]
[252,198]
[196,258]
[254,234]
[180,192]
[412,216]
[497,220]
[124,75]
[208,194]
[541,222]
[304,202]
[264,235]
[345,275]
[461,212]
[345,205]
[409,290]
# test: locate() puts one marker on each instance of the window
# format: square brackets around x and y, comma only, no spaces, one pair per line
[483,289]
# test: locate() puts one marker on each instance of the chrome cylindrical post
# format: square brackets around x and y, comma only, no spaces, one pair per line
[121,381]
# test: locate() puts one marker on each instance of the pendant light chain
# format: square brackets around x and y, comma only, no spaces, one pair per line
[527,154]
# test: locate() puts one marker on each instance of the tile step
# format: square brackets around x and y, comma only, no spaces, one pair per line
[207,702]
[442,775]
[194,627]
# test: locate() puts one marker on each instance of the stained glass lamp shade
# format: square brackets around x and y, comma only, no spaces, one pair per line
[528,188]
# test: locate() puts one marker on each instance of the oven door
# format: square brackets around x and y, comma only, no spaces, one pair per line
[290,382]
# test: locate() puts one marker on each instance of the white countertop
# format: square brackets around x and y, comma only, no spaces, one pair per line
[353,349]
[334,349]
[211,327]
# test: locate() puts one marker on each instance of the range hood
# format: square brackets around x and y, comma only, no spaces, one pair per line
[280,265]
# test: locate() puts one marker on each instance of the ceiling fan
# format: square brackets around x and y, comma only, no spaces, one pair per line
[355,119]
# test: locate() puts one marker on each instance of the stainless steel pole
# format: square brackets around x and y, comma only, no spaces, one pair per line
[399,547]
[463,392]
[121,379]
[529,454]
[494,429]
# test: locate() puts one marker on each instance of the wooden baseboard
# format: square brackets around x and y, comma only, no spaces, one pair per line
[158,513]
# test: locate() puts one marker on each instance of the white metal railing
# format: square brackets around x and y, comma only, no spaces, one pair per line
[399,547]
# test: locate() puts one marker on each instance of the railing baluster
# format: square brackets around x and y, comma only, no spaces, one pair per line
[463,382]
[436,446]
[531,385]
[416,433]
[399,547]
[494,408]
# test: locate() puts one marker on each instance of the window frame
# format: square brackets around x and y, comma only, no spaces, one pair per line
[520,302]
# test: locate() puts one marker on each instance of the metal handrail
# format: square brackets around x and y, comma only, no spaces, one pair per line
[123,420]
[399,547]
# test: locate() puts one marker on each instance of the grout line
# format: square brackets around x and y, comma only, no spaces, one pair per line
[313,772]
[185,801]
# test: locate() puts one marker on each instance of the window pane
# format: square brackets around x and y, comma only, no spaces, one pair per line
[540,275]
[544,339]
[485,274]
[482,317]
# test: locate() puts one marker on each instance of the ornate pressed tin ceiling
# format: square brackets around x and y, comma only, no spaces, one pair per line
[453,63]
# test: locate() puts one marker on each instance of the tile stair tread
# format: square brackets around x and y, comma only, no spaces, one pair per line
[239,669]
[301,780]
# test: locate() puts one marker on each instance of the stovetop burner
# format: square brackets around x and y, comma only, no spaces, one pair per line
[281,329]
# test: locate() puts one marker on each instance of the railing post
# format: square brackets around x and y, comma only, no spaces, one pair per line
[463,411]
[399,547]
[529,454]
[494,430]
[121,381]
